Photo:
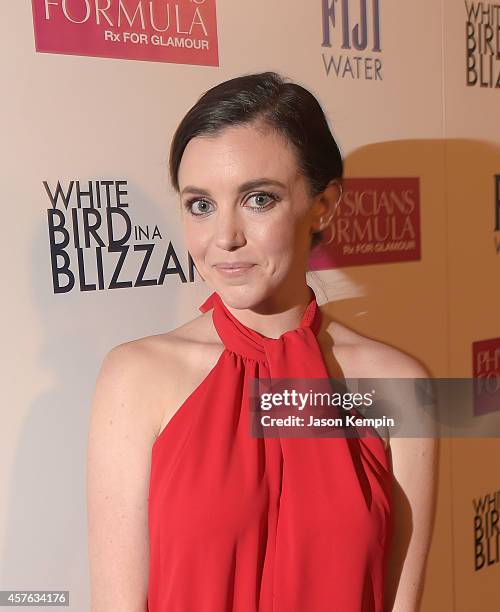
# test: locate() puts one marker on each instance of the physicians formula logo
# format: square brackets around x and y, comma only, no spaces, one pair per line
[486,372]
[353,29]
[483,44]
[95,246]
[182,32]
[377,221]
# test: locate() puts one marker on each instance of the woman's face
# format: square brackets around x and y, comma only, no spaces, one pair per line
[244,202]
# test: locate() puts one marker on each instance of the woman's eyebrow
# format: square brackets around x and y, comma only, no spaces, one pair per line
[246,186]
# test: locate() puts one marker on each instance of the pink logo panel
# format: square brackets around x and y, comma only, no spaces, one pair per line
[377,221]
[181,32]
[486,373]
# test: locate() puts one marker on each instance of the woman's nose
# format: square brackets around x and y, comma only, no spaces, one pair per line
[229,231]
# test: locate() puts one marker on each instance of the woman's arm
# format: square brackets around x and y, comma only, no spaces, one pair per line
[414,462]
[123,425]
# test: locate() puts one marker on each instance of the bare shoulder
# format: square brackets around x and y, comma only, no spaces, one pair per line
[377,359]
[176,346]
[362,356]
[359,356]
[164,368]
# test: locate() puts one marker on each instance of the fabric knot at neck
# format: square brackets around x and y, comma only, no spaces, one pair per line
[295,353]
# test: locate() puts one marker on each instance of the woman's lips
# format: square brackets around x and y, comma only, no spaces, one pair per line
[236,270]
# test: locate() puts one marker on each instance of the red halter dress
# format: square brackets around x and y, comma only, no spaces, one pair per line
[239,523]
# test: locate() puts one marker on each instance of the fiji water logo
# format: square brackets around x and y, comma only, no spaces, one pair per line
[354,29]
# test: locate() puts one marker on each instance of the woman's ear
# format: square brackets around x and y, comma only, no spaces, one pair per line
[325,205]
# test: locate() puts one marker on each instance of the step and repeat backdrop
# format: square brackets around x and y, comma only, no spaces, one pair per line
[94,256]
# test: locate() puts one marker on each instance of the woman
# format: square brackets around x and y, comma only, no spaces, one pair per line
[187,510]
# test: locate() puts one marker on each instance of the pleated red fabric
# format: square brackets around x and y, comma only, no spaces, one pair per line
[247,524]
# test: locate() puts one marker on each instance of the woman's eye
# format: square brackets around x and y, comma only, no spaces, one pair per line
[260,199]
[197,206]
